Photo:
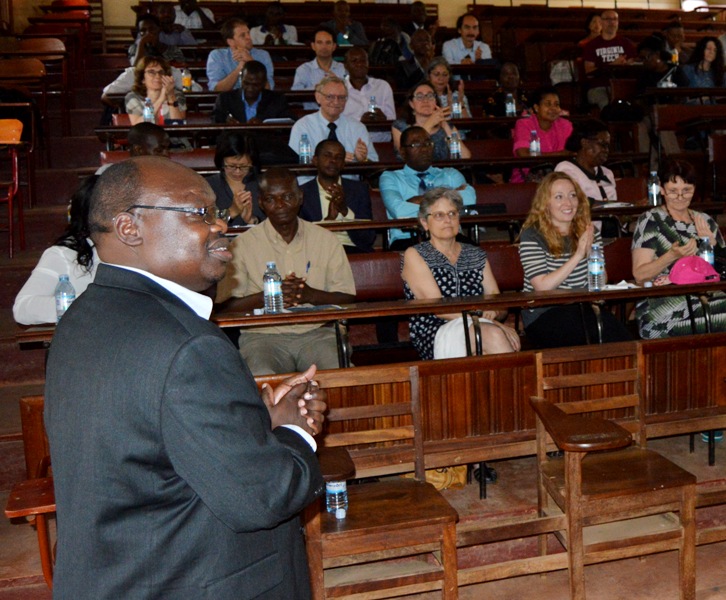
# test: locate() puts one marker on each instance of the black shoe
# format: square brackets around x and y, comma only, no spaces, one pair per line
[490,474]
[555,454]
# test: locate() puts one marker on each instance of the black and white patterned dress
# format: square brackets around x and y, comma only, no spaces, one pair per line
[657,230]
[462,279]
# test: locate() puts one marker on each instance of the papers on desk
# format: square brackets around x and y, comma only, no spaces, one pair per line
[306,307]
[606,205]
[623,285]
[283,121]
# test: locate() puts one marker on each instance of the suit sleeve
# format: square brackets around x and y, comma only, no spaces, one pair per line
[359,202]
[216,431]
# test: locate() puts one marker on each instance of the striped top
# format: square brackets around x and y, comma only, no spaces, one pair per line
[537,260]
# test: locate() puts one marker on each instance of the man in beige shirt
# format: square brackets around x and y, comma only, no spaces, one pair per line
[314,269]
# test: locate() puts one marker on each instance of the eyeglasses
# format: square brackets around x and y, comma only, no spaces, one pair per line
[441,216]
[685,194]
[334,97]
[422,97]
[154,73]
[237,168]
[426,144]
[209,214]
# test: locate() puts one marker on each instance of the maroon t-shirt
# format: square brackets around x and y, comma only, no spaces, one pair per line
[602,52]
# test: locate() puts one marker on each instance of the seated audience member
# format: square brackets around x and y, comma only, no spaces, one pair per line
[329,123]
[273,32]
[554,246]
[674,36]
[466,49]
[224,64]
[422,109]
[347,31]
[663,235]
[392,46]
[439,74]
[149,43]
[658,70]
[329,197]
[125,81]
[590,142]
[509,83]
[443,267]
[413,70]
[145,139]
[172,33]
[608,48]
[417,20]
[192,16]
[361,88]
[314,268]
[153,80]
[235,186]
[705,69]
[253,103]
[403,189]
[593,29]
[309,74]
[73,254]
[552,129]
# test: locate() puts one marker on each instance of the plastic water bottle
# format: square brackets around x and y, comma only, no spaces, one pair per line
[444,100]
[510,107]
[305,150]
[596,269]
[186,80]
[534,145]
[64,296]
[336,498]
[455,106]
[372,104]
[454,145]
[272,289]
[653,189]
[149,111]
[705,250]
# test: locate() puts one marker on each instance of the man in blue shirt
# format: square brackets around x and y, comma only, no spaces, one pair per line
[309,74]
[225,64]
[329,123]
[401,190]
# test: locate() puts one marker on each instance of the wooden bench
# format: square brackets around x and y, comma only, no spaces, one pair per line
[477,409]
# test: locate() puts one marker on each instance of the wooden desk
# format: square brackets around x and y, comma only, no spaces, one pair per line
[41,336]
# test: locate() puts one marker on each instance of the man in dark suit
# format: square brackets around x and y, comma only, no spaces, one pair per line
[254,103]
[174,476]
[341,199]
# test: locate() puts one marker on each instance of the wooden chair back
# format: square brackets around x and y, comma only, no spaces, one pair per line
[375,415]
[377,276]
[35,438]
[604,382]
[619,260]
[516,197]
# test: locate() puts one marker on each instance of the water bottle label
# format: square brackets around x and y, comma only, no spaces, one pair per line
[596,267]
[272,288]
[336,487]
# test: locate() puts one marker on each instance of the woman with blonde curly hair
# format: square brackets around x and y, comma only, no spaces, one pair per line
[554,247]
[153,79]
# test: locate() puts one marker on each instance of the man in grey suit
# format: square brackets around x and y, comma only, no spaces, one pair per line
[174,477]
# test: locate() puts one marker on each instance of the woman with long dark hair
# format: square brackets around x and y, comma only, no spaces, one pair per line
[705,69]
[73,254]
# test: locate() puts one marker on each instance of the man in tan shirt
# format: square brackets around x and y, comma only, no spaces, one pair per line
[314,269]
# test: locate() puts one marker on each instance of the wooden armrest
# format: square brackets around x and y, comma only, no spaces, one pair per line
[574,433]
[336,463]
[31,497]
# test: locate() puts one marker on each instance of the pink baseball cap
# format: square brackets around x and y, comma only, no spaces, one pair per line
[692,269]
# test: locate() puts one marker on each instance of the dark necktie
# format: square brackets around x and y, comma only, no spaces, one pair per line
[422,187]
[331,135]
